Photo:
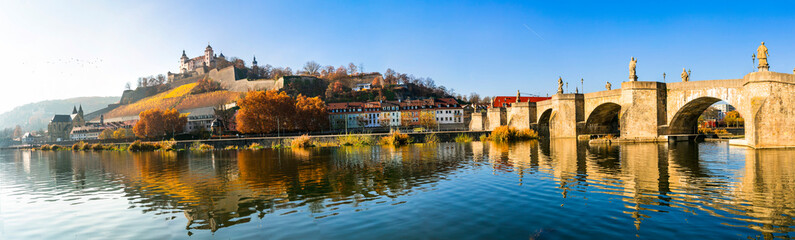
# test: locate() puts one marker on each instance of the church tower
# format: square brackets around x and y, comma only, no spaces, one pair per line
[209,59]
[254,63]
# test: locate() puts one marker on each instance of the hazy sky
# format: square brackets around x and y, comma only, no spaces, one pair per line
[55,49]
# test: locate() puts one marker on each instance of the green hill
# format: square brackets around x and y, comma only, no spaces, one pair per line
[35,116]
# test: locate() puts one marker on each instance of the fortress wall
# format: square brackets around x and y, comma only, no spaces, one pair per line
[230,82]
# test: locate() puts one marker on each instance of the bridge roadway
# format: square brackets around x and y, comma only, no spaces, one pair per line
[653,110]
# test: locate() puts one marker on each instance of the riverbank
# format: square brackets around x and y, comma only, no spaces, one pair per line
[276,142]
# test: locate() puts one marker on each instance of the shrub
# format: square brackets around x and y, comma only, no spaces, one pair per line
[706,131]
[167,145]
[255,146]
[431,138]
[97,147]
[396,139]
[463,138]
[484,137]
[721,132]
[301,142]
[85,147]
[526,134]
[502,134]
[354,140]
[56,147]
[230,148]
[139,146]
[45,147]
[78,146]
[509,134]
[198,146]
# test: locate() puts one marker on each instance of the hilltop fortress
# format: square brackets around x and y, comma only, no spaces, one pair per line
[230,77]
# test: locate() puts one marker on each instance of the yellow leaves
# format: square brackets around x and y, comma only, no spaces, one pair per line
[178,98]
[210,99]
[180,91]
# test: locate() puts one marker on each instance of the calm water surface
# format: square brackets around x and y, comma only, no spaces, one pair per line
[532,190]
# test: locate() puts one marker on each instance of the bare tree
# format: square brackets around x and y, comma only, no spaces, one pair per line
[352,69]
[127,86]
[312,68]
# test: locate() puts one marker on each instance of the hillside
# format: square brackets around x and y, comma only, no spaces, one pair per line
[180,98]
[35,116]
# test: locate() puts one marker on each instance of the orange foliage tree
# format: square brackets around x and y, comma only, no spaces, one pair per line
[206,85]
[261,111]
[155,123]
[310,114]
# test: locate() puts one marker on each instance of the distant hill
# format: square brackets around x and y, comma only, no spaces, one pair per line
[35,116]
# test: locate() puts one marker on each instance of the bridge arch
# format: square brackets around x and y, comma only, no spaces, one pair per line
[604,119]
[544,120]
[685,121]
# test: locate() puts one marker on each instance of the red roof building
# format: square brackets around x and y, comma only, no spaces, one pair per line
[505,101]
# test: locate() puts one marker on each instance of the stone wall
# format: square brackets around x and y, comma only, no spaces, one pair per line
[495,117]
[230,81]
[478,121]
[521,115]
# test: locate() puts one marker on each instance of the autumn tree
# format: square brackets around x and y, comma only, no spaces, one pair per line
[427,120]
[310,114]
[123,133]
[334,89]
[17,132]
[261,111]
[384,120]
[733,118]
[376,82]
[206,85]
[154,123]
[106,134]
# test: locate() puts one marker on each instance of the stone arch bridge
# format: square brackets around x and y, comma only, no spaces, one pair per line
[655,111]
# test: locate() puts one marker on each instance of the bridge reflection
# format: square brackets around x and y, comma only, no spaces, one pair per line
[652,177]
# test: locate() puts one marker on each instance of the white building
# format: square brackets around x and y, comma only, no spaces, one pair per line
[361,86]
[199,119]
[448,111]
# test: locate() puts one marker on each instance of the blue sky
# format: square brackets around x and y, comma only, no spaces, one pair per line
[54,49]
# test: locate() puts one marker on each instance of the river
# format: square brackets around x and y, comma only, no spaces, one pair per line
[530,190]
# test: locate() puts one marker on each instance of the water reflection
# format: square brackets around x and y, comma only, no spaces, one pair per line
[655,187]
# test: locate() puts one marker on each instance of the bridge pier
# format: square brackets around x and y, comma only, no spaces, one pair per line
[642,109]
[769,109]
[568,112]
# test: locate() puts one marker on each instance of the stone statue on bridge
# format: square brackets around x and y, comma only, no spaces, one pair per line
[518,96]
[685,76]
[609,86]
[761,54]
[632,64]
[560,85]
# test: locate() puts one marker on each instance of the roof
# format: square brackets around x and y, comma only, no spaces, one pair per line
[507,100]
[61,118]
